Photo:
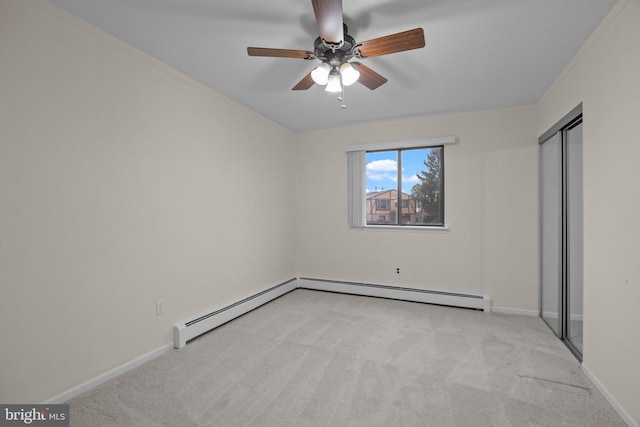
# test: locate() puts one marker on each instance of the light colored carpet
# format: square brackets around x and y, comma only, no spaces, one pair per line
[314,358]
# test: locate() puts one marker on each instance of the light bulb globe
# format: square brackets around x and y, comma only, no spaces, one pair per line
[349,74]
[334,84]
[320,74]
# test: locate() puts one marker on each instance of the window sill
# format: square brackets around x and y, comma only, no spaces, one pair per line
[425,229]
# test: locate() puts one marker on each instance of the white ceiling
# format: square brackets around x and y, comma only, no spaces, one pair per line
[479,54]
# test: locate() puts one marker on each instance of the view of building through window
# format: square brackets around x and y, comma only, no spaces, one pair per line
[405,187]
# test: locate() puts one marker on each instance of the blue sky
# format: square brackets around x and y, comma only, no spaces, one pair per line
[382,169]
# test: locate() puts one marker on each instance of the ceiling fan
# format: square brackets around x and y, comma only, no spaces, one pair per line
[336,48]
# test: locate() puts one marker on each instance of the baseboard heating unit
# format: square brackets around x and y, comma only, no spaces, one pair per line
[186,331]
[480,302]
[191,329]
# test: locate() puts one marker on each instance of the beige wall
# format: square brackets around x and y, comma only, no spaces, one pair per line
[605,77]
[490,208]
[122,182]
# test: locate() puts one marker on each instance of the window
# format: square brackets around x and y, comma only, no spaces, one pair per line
[414,177]
[397,184]
[382,204]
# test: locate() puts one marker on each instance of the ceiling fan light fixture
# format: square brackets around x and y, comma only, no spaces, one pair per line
[320,74]
[334,84]
[349,74]
[334,48]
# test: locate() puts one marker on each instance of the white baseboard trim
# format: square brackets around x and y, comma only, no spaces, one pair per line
[518,311]
[109,375]
[481,302]
[612,401]
[188,330]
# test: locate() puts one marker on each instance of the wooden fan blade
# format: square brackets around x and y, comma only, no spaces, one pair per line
[407,40]
[368,77]
[279,53]
[329,19]
[305,83]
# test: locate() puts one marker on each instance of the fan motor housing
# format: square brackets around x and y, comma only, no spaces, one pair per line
[335,55]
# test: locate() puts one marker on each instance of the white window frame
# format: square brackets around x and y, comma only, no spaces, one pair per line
[356,172]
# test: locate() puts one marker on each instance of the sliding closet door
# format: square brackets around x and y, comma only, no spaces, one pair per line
[561,229]
[551,232]
[573,143]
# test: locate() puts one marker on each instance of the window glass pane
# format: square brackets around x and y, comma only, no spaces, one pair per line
[405,187]
[422,187]
[382,184]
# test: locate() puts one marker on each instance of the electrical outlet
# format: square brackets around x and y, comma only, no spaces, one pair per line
[159,307]
[397,270]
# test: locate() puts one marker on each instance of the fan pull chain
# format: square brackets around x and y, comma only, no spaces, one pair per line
[341,96]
